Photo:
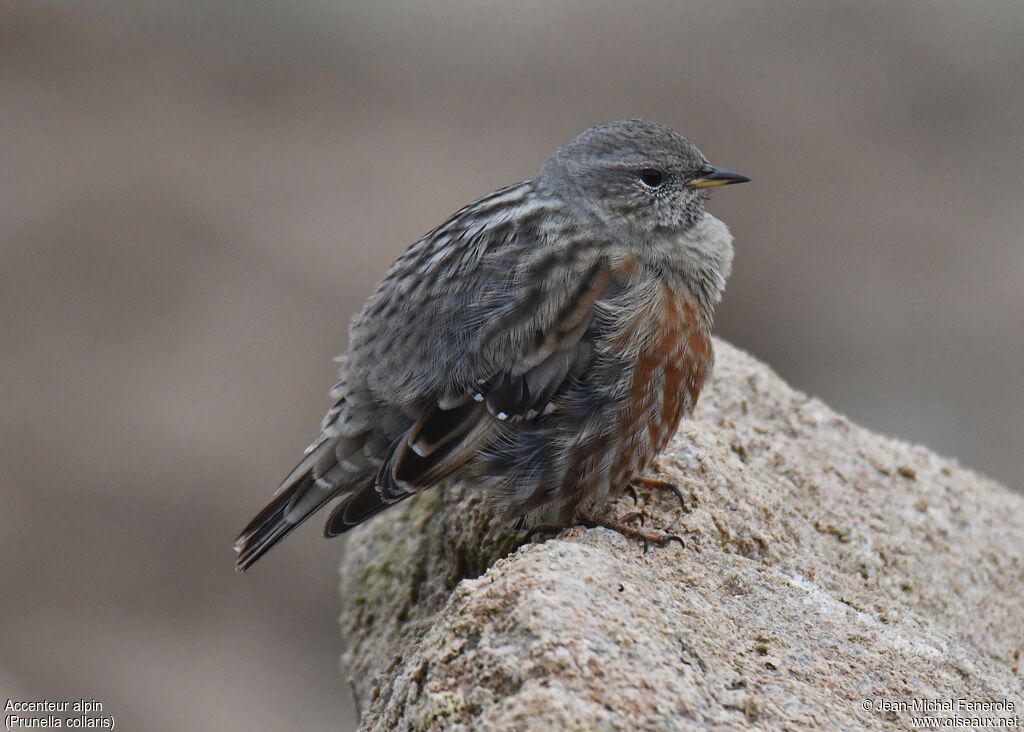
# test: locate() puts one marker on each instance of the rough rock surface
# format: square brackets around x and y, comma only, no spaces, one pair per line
[824,566]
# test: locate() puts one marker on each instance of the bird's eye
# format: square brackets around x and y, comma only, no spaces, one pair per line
[652,177]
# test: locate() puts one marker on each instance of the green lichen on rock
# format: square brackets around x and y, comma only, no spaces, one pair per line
[438,707]
[405,566]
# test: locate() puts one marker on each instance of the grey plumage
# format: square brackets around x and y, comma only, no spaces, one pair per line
[531,345]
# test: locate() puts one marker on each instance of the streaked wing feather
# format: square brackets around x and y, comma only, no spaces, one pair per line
[445,437]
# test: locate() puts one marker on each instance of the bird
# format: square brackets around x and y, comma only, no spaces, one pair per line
[541,345]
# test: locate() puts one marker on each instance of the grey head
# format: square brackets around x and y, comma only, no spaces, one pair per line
[634,174]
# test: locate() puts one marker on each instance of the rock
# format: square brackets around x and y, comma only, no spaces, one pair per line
[829,574]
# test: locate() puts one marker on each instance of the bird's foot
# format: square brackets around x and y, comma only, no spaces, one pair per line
[655,484]
[646,538]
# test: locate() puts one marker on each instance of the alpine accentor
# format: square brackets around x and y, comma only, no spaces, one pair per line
[542,344]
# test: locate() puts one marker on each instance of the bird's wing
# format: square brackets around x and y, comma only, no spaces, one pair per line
[518,390]
[472,331]
[527,327]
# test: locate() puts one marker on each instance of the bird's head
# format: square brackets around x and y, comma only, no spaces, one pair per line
[635,174]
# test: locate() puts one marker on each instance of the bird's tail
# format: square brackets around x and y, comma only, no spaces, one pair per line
[299,497]
[334,467]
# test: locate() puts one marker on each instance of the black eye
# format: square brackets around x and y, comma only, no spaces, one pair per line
[652,177]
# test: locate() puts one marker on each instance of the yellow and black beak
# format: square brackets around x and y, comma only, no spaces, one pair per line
[710,177]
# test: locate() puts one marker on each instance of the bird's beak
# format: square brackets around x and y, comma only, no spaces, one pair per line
[711,177]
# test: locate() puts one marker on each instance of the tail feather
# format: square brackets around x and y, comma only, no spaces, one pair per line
[360,506]
[288,509]
[333,467]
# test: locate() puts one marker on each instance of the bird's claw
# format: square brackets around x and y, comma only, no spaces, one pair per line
[659,484]
[635,516]
[669,538]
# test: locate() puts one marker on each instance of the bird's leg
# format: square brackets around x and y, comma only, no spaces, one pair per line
[553,530]
[657,484]
[646,538]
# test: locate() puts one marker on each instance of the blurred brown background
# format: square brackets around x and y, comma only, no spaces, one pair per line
[195,196]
